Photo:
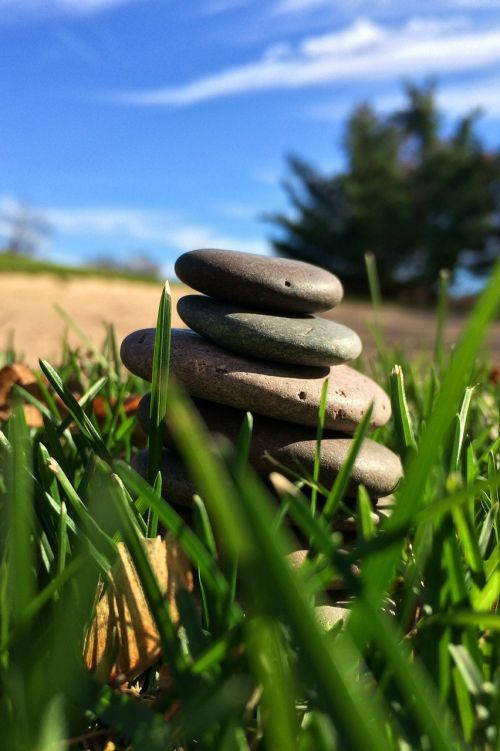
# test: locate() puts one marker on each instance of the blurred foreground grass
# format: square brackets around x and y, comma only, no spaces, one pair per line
[414,666]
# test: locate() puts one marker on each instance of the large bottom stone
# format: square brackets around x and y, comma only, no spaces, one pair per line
[294,446]
[285,392]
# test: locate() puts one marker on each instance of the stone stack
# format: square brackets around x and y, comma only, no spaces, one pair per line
[255,344]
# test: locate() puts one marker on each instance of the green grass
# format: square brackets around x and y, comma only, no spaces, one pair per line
[14,262]
[416,665]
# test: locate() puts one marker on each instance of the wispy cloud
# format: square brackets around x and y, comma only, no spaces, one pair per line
[105,227]
[69,44]
[384,7]
[224,6]
[159,228]
[299,6]
[364,51]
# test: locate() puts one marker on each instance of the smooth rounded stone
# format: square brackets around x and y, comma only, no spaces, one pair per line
[329,615]
[294,447]
[285,392]
[177,486]
[260,281]
[295,339]
[297,558]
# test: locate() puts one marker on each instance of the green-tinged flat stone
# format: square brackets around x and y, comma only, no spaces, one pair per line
[285,392]
[260,281]
[296,339]
[294,447]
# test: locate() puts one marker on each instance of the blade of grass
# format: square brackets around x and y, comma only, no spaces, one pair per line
[79,416]
[171,520]
[166,629]
[402,421]
[441,313]
[159,383]
[247,514]
[270,665]
[341,483]
[20,517]
[413,486]
[319,435]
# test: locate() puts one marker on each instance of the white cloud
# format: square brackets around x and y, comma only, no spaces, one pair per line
[360,53]
[154,231]
[299,6]
[159,228]
[385,7]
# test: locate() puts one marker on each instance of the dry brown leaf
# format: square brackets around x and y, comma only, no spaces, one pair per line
[123,638]
[17,374]
[494,376]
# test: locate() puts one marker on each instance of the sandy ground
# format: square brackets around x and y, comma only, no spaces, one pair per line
[27,309]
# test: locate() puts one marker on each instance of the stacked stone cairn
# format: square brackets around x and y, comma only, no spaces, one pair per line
[255,344]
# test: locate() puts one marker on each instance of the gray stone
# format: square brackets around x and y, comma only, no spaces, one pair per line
[297,558]
[296,339]
[290,393]
[294,447]
[259,281]
[329,615]
[177,486]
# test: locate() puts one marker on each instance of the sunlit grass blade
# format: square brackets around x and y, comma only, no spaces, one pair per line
[366,525]
[460,428]
[402,420]
[417,474]
[20,517]
[376,300]
[90,394]
[166,629]
[319,435]
[159,384]
[79,416]
[171,520]
[441,313]
[100,539]
[246,512]
[342,480]
[244,442]
[152,526]
[72,324]
[273,671]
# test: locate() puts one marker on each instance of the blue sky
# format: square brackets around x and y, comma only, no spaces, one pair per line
[156,126]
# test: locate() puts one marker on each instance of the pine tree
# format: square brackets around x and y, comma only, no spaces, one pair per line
[419,200]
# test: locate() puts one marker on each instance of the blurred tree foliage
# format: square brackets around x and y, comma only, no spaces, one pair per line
[419,200]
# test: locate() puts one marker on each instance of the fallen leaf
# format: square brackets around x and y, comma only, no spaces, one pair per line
[17,374]
[123,638]
[494,376]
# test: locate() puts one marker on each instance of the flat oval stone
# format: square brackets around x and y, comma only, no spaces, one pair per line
[296,339]
[285,392]
[260,281]
[294,447]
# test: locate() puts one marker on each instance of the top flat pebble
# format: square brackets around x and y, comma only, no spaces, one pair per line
[261,282]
